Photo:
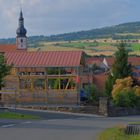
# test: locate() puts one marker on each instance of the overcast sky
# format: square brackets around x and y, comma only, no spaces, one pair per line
[46,17]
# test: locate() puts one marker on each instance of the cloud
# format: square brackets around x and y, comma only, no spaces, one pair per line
[59,16]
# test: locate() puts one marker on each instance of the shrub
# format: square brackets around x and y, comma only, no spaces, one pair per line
[92,93]
[125,99]
[125,94]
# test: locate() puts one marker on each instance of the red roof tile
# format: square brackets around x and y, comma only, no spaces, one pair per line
[41,59]
[7,48]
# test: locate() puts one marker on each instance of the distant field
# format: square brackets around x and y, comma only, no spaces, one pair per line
[126,34]
[83,44]
[88,46]
[135,47]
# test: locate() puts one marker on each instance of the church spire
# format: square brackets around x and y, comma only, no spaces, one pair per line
[21,31]
[21,39]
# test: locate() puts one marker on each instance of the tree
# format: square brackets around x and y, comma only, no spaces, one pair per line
[4,70]
[109,85]
[120,69]
[125,93]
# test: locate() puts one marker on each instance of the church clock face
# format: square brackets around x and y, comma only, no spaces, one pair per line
[22,42]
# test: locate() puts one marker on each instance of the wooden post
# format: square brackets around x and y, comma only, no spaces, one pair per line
[32,84]
[46,85]
[18,89]
[59,79]
[78,88]
[18,84]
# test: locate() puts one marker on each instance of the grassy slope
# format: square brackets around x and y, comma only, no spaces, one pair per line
[10,115]
[116,133]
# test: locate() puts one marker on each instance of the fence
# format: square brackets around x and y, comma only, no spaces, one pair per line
[40,97]
[133,129]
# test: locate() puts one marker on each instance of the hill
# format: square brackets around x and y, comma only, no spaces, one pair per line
[121,31]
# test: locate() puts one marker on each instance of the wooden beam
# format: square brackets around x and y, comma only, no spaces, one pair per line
[18,85]
[32,84]
[68,83]
[59,78]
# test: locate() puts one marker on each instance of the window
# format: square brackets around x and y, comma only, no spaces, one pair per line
[21,40]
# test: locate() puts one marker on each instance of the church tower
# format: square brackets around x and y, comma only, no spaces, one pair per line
[21,39]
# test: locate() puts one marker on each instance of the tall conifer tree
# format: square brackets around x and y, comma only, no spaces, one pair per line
[120,69]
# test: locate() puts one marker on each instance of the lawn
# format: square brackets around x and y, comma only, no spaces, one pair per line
[117,133]
[12,115]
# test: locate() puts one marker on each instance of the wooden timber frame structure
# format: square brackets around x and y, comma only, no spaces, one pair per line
[51,84]
[33,74]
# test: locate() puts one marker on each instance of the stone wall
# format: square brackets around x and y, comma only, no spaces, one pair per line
[123,111]
[103,106]
[106,109]
[72,109]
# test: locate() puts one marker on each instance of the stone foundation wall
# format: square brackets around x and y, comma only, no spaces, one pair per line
[72,109]
[106,109]
[122,111]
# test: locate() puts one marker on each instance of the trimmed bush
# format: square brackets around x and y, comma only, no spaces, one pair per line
[125,99]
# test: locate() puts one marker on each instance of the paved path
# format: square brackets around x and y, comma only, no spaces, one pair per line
[59,126]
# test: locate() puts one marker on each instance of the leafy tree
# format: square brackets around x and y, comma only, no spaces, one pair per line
[120,68]
[124,85]
[125,93]
[4,70]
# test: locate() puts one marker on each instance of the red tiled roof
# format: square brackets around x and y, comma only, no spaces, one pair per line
[41,59]
[7,48]
[98,60]
[94,60]
[135,61]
